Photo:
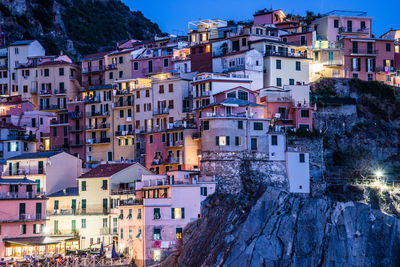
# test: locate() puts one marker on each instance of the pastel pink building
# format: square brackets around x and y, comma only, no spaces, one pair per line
[151,225]
[288,107]
[22,219]
[153,61]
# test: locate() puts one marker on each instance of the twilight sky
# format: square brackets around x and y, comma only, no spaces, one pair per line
[172,16]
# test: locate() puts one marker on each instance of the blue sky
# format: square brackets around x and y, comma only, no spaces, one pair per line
[172,16]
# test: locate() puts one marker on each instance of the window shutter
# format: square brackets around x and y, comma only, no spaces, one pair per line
[34,228]
[373,65]
[359,63]
[172,213]
[217,140]
[183,213]
[366,64]
[227,140]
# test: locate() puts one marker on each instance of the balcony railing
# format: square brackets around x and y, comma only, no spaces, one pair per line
[162,111]
[17,195]
[203,94]
[76,114]
[79,211]
[22,137]
[24,218]
[386,69]
[97,113]
[359,51]
[22,171]
[93,69]
[124,133]
[122,104]
[92,83]
[45,92]
[52,107]
[129,202]
[352,30]
[93,141]
[98,126]
[92,100]
[167,161]
[285,54]
[60,147]
[76,144]
[75,129]
[60,91]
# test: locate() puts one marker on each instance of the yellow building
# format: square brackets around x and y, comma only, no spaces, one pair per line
[87,210]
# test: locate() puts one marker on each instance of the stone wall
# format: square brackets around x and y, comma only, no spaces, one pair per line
[233,170]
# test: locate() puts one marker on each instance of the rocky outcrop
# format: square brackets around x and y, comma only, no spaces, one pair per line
[282,229]
[76,27]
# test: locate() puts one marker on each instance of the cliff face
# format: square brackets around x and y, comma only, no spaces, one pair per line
[77,27]
[281,229]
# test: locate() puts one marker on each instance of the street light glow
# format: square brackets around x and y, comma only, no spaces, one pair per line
[378,174]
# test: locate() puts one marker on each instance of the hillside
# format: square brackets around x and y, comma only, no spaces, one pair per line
[77,27]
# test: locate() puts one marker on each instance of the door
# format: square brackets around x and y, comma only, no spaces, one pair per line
[330,58]
[73,205]
[40,167]
[38,211]
[350,26]
[105,205]
[21,211]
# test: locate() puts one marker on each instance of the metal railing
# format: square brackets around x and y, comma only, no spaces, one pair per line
[285,54]
[92,141]
[124,133]
[97,113]
[93,69]
[17,195]
[163,111]
[359,51]
[98,126]
[23,171]
[354,30]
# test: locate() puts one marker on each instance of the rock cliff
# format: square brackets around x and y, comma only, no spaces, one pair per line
[282,229]
[77,27]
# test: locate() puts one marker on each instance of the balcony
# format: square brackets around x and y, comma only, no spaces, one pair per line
[75,129]
[23,172]
[44,93]
[203,94]
[58,122]
[98,114]
[92,100]
[24,218]
[93,69]
[122,92]
[100,126]
[92,83]
[52,107]
[386,70]
[167,161]
[76,115]
[120,104]
[98,141]
[130,202]
[215,76]
[88,211]
[175,144]
[368,52]
[105,231]
[112,66]
[18,195]
[285,54]
[161,111]
[124,133]
[60,147]
[22,137]
[351,30]
[33,90]
[77,144]
[60,92]
[333,63]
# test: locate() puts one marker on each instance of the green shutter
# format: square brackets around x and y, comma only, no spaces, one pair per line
[183,213]
[56,204]
[73,226]
[83,203]
[73,204]
[172,213]
[37,185]
[55,227]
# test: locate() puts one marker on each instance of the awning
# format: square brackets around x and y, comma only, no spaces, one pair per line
[37,240]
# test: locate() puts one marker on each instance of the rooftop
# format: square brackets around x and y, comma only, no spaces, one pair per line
[70,191]
[22,42]
[346,13]
[37,155]
[106,170]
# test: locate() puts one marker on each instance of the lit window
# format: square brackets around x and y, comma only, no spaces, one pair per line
[179,233]
[177,213]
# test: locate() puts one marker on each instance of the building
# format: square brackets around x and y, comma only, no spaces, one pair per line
[14,141]
[86,212]
[93,69]
[151,223]
[51,170]
[22,219]
[288,108]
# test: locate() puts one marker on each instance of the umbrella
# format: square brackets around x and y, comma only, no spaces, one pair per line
[113,253]
[101,250]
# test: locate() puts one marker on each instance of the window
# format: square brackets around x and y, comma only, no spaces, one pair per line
[336,23]
[298,65]
[222,141]
[130,233]
[206,125]
[135,65]
[258,126]
[22,229]
[177,213]
[370,77]
[171,104]
[302,158]
[157,213]
[304,113]
[161,89]
[355,75]
[46,72]
[139,215]
[16,50]
[111,75]
[170,87]
[83,223]
[83,185]
[166,62]
[138,108]
[179,233]
[83,204]
[302,40]
[243,95]
[237,141]
[362,24]
[105,222]
[73,226]
[388,47]
[240,124]
[104,185]
[122,233]
[121,113]
[147,93]
[139,235]
[121,60]
[278,82]
[157,234]
[56,204]
[151,139]
[121,74]
[25,88]
[291,81]
[203,191]
[278,64]
[253,143]
[65,130]
[316,56]
[274,140]
[61,71]
[244,41]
